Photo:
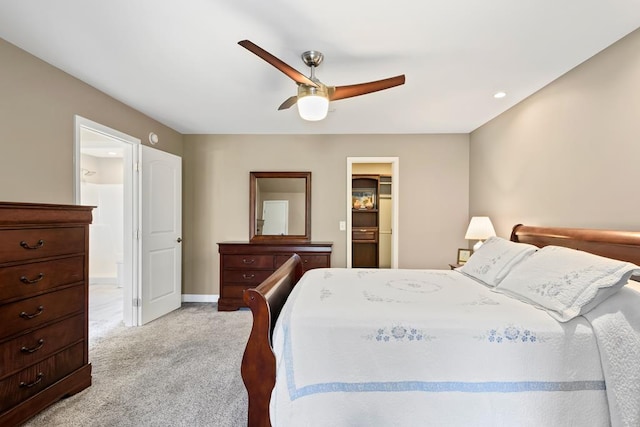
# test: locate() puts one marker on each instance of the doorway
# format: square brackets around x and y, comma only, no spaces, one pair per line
[386,207]
[104,178]
[149,269]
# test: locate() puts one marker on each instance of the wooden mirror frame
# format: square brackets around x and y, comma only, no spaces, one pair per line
[256,238]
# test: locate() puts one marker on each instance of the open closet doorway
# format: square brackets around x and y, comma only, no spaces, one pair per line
[104,178]
[372,212]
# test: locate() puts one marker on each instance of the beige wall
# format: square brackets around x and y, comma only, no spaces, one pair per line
[433,193]
[37,107]
[567,155]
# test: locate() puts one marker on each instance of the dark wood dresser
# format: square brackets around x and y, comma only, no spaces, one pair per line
[246,265]
[43,306]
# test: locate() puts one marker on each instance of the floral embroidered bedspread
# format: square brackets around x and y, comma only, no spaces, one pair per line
[616,324]
[359,347]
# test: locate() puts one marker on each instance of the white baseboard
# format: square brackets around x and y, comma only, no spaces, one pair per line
[101,280]
[199,298]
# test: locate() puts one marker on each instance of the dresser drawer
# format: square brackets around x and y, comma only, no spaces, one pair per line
[27,349]
[308,261]
[36,378]
[248,261]
[314,261]
[21,245]
[234,291]
[28,279]
[245,276]
[366,234]
[33,312]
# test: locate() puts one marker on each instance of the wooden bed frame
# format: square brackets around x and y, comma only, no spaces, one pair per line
[266,301]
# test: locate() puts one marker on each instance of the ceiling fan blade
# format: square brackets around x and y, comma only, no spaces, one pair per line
[341,92]
[293,74]
[290,102]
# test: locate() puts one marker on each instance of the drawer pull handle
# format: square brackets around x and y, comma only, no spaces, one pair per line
[34,349]
[26,281]
[36,246]
[248,261]
[37,381]
[248,276]
[363,231]
[24,315]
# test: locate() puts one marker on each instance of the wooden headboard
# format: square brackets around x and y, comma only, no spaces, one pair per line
[622,245]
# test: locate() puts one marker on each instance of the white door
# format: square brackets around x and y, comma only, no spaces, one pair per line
[161,213]
[275,214]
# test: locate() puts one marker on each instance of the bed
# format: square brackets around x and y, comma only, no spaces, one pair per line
[479,345]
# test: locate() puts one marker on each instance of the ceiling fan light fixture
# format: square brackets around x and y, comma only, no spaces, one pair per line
[313,103]
[313,96]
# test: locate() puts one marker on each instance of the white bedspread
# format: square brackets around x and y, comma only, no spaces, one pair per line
[358,347]
[616,324]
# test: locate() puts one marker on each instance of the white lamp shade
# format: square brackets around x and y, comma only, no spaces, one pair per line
[313,107]
[313,103]
[480,228]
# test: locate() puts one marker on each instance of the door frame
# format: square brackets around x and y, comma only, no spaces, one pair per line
[131,191]
[395,185]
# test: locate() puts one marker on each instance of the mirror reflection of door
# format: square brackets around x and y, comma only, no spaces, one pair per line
[271,194]
[275,217]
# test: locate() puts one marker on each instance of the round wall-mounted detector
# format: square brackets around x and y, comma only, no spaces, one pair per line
[153,138]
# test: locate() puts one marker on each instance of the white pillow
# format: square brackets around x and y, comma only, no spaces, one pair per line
[566,282]
[494,259]
[634,285]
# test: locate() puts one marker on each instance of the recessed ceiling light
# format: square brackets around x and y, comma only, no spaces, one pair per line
[499,95]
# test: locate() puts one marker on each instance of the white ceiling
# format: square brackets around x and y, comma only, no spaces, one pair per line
[179,62]
[99,145]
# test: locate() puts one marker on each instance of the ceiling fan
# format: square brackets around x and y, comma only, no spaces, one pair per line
[313,96]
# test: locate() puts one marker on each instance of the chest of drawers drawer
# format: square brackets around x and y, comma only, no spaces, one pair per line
[233,292]
[27,244]
[44,355]
[33,312]
[251,277]
[314,261]
[308,261]
[25,280]
[35,378]
[39,344]
[248,261]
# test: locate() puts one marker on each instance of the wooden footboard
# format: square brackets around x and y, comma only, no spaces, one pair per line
[259,363]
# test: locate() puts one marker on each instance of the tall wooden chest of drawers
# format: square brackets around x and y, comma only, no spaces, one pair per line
[246,265]
[43,306]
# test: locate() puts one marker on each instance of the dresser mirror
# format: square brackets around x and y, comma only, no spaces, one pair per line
[280,206]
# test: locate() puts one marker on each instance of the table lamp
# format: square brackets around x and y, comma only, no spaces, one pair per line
[480,228]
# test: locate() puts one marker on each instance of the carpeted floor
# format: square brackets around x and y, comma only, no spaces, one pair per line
[180,370]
